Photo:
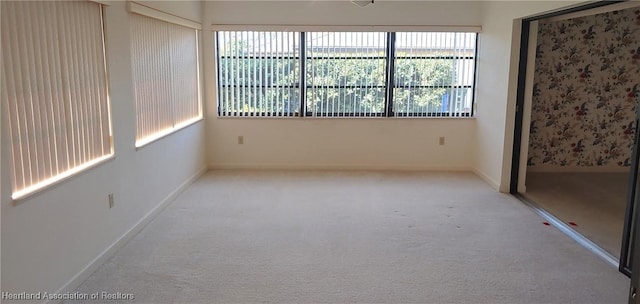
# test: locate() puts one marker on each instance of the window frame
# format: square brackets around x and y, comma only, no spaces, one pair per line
[389,57]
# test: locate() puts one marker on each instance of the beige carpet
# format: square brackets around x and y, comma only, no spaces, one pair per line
[595,202]
[349,237]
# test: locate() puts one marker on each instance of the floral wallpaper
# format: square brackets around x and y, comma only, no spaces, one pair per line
[586,82]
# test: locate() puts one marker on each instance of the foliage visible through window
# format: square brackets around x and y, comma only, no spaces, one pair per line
[434,74]
[258,73]
[345,74]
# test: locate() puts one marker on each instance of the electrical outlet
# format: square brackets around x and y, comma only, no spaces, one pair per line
[441,140]
[111,201]
[241,140]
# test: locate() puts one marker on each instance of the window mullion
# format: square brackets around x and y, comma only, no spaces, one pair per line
[475,74]
[302,82]
[390,72]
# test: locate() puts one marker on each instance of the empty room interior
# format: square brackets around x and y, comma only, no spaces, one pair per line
[318,151]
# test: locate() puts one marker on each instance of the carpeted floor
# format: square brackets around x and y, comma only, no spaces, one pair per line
[595,202]
[353,237]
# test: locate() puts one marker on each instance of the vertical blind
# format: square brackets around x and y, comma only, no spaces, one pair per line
[258,73]
[54,87]
[166,78]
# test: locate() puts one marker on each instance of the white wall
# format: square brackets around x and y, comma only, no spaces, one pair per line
[343,13]
[337,143]
[48,239]
[394,144]
[496,89]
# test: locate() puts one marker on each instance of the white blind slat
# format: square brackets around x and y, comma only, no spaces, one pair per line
[9,93]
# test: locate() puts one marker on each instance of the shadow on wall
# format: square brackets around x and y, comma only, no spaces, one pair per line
[586,82]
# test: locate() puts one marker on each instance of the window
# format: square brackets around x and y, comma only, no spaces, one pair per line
[434,74]
[54,88]
[165,61]
[258,73]
[346,74]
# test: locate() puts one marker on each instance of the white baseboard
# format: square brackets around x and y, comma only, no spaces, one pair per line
[573,169]
[340,167]
[81,276]
[494,184]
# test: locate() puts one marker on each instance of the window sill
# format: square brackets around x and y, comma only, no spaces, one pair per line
[345,118]
[151,139]
[59,179]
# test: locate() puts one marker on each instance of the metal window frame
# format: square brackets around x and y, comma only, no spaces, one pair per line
[391,70]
